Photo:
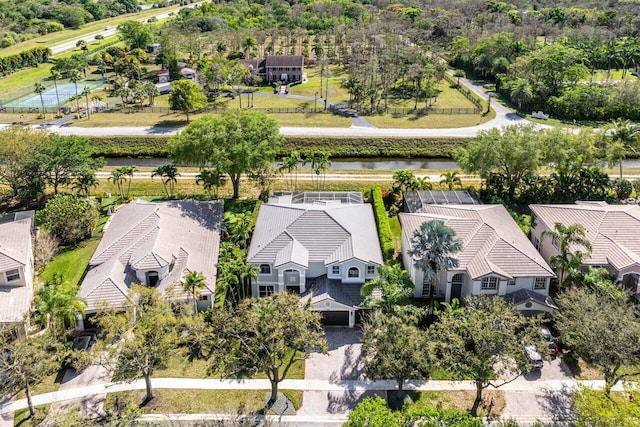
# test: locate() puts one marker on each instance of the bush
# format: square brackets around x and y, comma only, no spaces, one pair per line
[68,217]
[622,187]
[382,222]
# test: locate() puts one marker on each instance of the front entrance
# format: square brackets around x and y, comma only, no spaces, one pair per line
[456,286]
[630,282]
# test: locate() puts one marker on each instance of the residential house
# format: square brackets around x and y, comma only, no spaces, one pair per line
[612,231]
[281,68]
[496,257]
[16,266]
[189,73]
[155,244]
[321,245]
[163,76]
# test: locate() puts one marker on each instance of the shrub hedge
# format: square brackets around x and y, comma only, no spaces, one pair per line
[382,222]
[155,146]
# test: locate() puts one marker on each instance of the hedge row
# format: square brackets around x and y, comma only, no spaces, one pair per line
[155,146]
[382,222]
[27,58]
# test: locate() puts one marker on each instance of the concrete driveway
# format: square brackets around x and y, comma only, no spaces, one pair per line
[341,363]
[546,405]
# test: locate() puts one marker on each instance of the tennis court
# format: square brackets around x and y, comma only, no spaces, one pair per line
[65,91]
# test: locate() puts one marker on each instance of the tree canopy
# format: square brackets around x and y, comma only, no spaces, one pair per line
[237,142]
[186,96]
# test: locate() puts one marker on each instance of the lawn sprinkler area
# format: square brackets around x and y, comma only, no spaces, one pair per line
[65,92]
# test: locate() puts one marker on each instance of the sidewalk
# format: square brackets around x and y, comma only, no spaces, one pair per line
[307,385]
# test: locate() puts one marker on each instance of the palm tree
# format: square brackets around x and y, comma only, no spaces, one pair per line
[390,292]
[58,303]
[193,282]
[39,89]
[168,174]
[117,177]
[127,172]
[451,179]
[86,92]
[521,92]
[290,164]
[566,239]
[84,180]
[432,248]
[75,76]
[151,90]
[239,227]
[55,75]
[211,179]
[319,164]
[624,136]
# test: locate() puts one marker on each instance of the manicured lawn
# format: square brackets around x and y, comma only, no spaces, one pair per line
[601,76]
[72,262]
[169,401]
[447,98]
[21,417]
[24,78]
[336,93]
[396,232]
[431,121]
[461,400]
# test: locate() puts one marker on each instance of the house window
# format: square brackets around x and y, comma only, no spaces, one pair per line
[12,275]
[536,243]
[555,242]
[540,283]
[335,270]
[203,298]
[489,283]
[426,289]
[265,290]
[371,270]
[511,282]
[353,273]
[265,269]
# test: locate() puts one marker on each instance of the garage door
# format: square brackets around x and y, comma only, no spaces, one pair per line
[335,318]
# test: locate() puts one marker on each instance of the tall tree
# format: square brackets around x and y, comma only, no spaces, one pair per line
[169,175]
[150,327]
[39,89]
[320,162]
[31,360]
[135,34]
[624,138]
[433,247]
[193,283]
[68,217]
[567,239]
[513,152]
[238,142]
[56,75]
[266,335]
[186,96]
[290,164]
[394,347]
[75,76]
[86,92]
[600,324]
[64,157]
[482,342]
[18,153]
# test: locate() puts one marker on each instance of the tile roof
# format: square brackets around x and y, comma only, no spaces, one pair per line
[492,242]
[611,229]
[524,295]
[15,252]
[328,232]
[322,288]
[284,61]
[181,235]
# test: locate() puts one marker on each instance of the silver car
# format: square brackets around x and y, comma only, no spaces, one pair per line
[534,358]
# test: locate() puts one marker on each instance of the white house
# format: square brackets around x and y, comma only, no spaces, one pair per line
[155,244]
[496,257]
[612,230]
[16,266]
[323,246]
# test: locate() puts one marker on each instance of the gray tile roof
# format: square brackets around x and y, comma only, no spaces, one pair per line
[524,295]
[321,288]
[15,252]
[611,229]
[284,61]
[184,235]
[492,242]
[328,232]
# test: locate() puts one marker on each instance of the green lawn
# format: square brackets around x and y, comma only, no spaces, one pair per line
[460,400]
[22,419]
[396,232]
[202,401]
[430,121]
[71,262]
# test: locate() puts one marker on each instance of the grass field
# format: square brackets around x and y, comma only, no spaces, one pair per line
[72,262]
[59,37]
[431,121]
[460,400]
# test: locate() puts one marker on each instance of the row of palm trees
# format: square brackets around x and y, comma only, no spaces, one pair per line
[75,76]
[318,160]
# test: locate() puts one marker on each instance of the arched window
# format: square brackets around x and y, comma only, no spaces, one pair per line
[457,279]
[353,273]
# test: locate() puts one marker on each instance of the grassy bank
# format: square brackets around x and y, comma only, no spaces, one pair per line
[155,146]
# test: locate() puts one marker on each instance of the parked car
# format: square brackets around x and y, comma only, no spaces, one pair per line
[534,358]
[84,341]
[550,340]
[107,28]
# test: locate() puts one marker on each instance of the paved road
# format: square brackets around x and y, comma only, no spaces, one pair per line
[90,38]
